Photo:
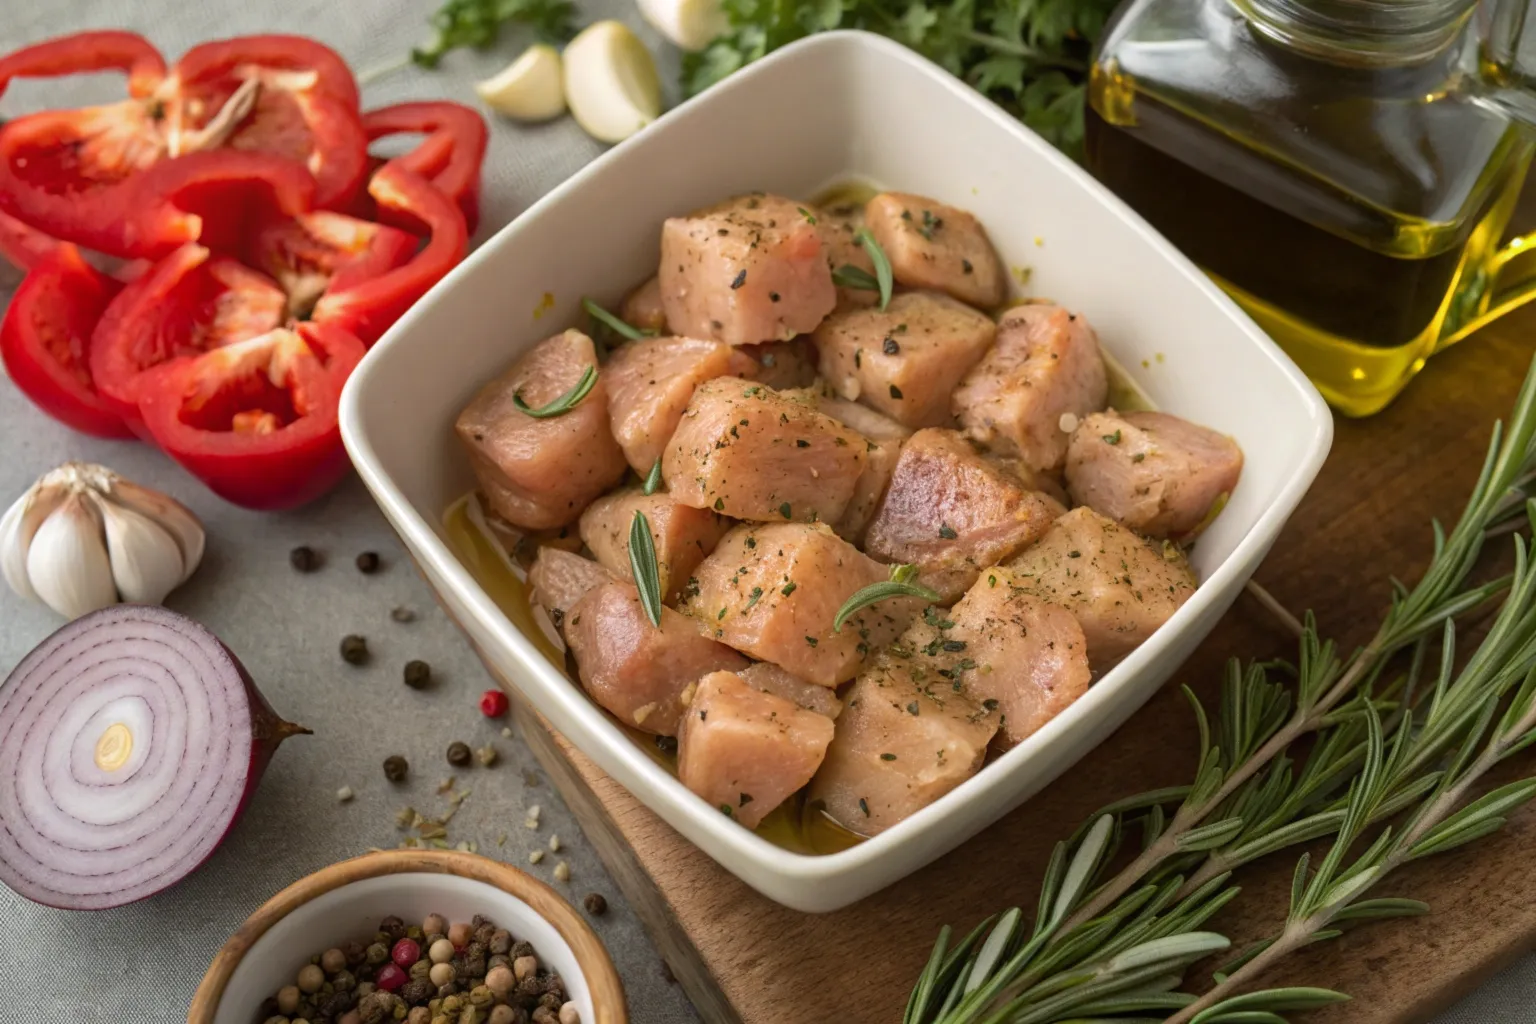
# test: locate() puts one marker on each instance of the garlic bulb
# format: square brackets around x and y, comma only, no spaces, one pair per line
[83,538]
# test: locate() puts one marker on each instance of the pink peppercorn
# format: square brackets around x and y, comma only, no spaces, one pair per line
[405,953]
[493,703]
[390,977]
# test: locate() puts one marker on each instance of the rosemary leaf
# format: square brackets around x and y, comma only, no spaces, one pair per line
[1273,1000]
[899,585]
[562,405]
[884,278]
[642,562]
[850,276]
[653,478]
[613,323]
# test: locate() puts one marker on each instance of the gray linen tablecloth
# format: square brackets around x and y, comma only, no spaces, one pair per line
[140,964]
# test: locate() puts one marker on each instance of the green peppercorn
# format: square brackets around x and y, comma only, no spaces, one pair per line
[395,770]
[368,562]
[459,754]
[354,649]
[420,969]
[481,996]
[452,1004]
[418,675]
[304,559]
[377,954]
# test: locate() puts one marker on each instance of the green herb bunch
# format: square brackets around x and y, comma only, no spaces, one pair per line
[478,24]
[1392,763]
[1029,56]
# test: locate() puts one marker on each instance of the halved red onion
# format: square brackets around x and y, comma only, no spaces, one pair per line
[130,741]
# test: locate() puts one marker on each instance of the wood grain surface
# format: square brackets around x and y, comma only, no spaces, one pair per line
[743,958]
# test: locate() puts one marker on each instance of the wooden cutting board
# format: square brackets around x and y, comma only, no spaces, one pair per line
[743,958]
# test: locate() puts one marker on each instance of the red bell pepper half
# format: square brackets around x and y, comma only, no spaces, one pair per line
[186,304]
[278,53]
[257,420]
[46,335]
[315,252]
[451,154]
[368,308]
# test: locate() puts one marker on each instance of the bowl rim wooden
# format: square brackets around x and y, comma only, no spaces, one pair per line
[591,956]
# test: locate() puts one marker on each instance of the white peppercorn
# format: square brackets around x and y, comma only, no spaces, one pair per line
[442,973]
[311,977]
[435,924]
[332,960]
[501,1015]
[500,981]
[441,951]
[524,966]
[288,999]
[569,1014]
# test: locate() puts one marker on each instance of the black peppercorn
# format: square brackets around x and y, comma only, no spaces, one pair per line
[418,991]
[552,1000]
[418,675]
[476,967]
[447,989]
[521,949]
[475,947]
[304,559]
[344,981]
[595,904]
[459,754]
[355,953]
[395,770]
[484,934]
[354,649]
[368,562]
[403,615]
[392,927]
[501,941]
[496,960]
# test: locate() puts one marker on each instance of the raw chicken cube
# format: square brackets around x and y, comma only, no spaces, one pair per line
[639,673]
[683,535]
[746,751]
[931,245]
[952,512]
[781,364]
[838,231]
[900,744]
[558,579]
[1120,587]
[906,360]
[770,678]
[1019,655]
[1158,474]
[873,425]
[869,490]
[540,473]
[750,269]
[773,591]
[1026,395]
[642,308]
[744,450]
[649,384]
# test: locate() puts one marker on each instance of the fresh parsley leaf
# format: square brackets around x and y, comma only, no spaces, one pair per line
[478,24]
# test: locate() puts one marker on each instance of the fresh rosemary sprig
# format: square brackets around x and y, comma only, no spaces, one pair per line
[899,585]
[642,562]
[562,405]
[1249,798]
[613,323]
[653,479]
[884,276]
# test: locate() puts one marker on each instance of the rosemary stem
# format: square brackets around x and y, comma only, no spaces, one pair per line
[379,71]
[1282,614]
[1296,935]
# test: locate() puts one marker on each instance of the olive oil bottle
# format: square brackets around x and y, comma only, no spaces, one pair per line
[1343,170]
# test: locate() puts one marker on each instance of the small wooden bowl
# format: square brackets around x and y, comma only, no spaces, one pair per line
[379,884]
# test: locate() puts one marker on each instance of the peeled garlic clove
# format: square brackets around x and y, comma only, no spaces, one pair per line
[691,24]
[611,82]
[529,89]
[169,513]
[67,561]
[17,528]
[145,558]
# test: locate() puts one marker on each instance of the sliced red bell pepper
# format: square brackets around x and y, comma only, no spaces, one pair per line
[302,104]
[23,246]
[46,335]
[450,156]
[85,52]
[257,420]
[186,304]
[315,252]
[215,198]
[368,308]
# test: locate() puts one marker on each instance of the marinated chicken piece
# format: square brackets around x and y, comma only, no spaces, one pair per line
[683,535]
[746,751]
[649,384]
[906,360]
[1045,366]
[639,673]
[1158,474]
[558,579]
[838,231]
[750,269]
[781,364]
[1033,479]
[540,473]
[901,744]
[1120,587]
[931,245]
[773,591]
[873,425]
[869,490]
[642,308]
[745,451]
[770,678]
[1019,655]
[952,512]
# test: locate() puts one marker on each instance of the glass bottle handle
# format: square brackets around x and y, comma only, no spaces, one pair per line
[1509,282]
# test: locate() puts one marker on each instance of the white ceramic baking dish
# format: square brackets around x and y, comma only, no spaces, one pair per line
[830,108]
